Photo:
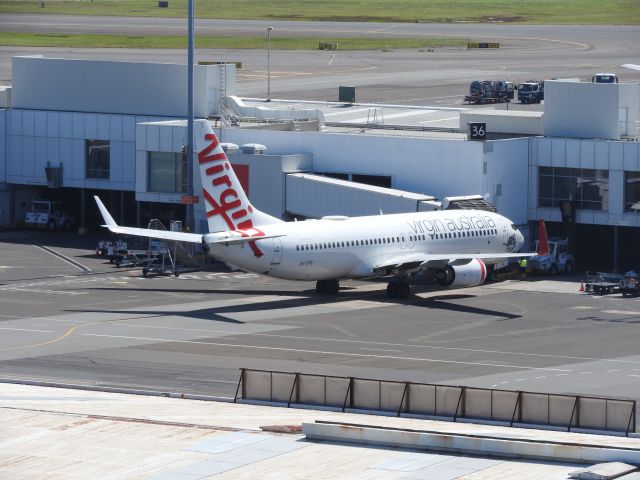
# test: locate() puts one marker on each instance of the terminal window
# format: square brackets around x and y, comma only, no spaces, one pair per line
[97,158]
[588,188]
[167,172]
[632,191]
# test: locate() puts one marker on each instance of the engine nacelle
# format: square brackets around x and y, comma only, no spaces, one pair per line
[459,276]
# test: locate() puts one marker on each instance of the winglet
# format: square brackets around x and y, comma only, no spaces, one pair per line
[110,222]
[543,242]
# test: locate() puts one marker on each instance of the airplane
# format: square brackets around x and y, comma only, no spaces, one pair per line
[454,246]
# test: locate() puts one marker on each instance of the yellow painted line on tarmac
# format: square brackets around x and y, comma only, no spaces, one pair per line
[48,342]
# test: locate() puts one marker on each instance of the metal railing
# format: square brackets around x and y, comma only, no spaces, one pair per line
[444,401]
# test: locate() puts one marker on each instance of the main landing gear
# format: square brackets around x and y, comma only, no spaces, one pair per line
[330,287]
[399,288]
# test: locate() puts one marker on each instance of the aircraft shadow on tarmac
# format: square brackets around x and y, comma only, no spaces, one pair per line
[303,299]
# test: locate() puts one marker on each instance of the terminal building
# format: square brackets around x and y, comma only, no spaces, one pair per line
[117,130]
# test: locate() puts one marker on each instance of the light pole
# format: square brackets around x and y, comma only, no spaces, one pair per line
[189,139]
[269,29]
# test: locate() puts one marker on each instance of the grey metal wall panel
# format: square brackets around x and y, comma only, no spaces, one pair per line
[78,126]
[116,161]
[52,150]
[572,149]
[166,141]
[66,146]
[15,122]
[587,154]
[53,124]
[28,120]
[581,110]
[616,156]
[631,154]
[91,127]
[115,127]
[103,127]
[66,125]
[153,138]
[129,128]
[113,87]
[15,154]
[28,156]
[40,124]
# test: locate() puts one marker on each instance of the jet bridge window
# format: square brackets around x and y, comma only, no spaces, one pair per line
[97,158]
[589,188]
[167,172]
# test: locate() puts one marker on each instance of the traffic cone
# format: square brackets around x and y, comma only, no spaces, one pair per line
[581,286]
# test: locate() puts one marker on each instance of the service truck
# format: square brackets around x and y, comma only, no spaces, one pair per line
[48,214]
[531,91]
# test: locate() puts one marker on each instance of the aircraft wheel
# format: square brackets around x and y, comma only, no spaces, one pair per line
[145,271]
[332,287]
[403,290]
[321,286]
[392,289]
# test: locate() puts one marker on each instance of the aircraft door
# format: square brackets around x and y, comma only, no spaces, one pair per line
[277,251]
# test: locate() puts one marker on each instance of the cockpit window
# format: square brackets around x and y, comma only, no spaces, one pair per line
[513,227]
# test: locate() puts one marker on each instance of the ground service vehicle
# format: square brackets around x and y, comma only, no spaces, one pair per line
[603,283]
[488,91]
[48,214]
[630,284]
[557,260]
[605,78]
[531,91]
[553,255]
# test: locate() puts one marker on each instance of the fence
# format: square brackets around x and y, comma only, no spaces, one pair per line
[455,402]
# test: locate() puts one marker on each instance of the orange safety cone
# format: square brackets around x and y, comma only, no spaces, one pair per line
[581,286]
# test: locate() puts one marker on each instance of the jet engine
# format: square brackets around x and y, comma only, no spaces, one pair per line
[459,276]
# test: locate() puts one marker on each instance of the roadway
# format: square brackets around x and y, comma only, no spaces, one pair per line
[407,76]
[84,321]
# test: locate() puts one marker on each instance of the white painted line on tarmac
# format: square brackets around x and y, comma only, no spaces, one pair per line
[347,112]
[64,258]
[379,350]
[438,120]
[393,115]
[620,312]
[321,352]
[26,330]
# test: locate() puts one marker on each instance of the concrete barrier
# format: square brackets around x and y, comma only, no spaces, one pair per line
[469,444]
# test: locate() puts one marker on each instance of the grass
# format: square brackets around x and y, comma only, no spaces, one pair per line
[177,41]
[609,12]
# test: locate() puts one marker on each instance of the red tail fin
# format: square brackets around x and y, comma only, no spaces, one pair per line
[543,242]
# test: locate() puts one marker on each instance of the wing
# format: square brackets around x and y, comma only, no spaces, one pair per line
[145,232]
[424,260]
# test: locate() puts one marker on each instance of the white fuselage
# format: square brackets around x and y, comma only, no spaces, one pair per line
[341,247]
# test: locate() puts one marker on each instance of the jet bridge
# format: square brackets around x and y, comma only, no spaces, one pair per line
[314,196]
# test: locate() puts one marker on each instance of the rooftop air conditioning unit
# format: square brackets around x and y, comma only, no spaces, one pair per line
[229,147]
[254,148]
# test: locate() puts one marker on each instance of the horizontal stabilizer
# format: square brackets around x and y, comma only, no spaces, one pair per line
[144,232]
[159,234]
